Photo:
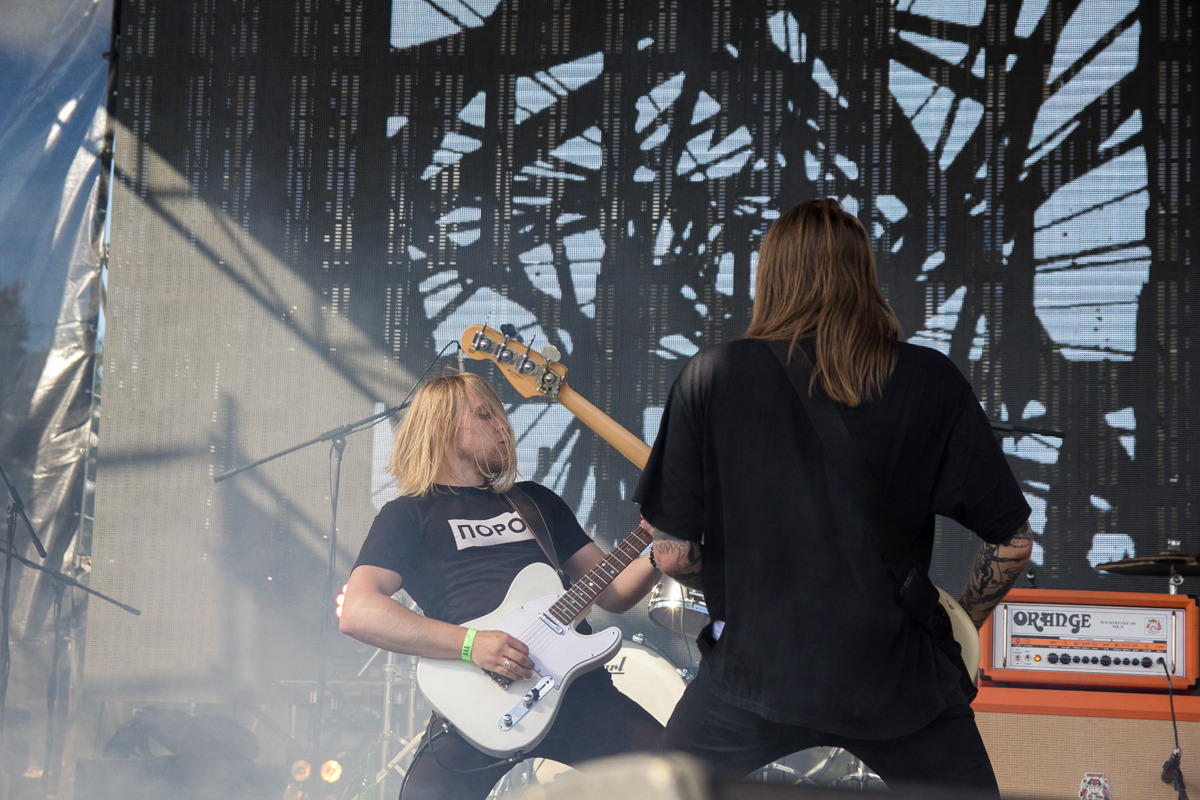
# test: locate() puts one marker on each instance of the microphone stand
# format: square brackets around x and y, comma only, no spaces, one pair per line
[337,438]
[17,509]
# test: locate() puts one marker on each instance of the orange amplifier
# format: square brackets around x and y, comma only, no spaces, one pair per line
[1115,640]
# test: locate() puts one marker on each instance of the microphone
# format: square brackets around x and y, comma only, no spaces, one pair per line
[1170,770]
[459,354]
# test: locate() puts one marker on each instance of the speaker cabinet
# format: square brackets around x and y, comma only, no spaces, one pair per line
[1049,743]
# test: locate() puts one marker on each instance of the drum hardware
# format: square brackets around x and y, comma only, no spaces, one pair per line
[640,639]
[515,781]
[825,767]
[683,672]
[530,772]
[858,777]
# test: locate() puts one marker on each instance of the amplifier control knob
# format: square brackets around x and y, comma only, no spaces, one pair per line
[1105,660]
[1147,663]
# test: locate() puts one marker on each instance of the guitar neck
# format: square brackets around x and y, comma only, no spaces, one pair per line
[575,603]
[583,593]
[541,375]
[605,426]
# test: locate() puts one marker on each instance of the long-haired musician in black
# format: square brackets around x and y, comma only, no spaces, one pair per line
[455,543]
[810,644]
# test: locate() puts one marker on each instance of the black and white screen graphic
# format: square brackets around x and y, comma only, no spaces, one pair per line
[312,202]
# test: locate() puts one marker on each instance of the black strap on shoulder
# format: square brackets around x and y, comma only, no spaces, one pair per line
[915,591]
[531,515]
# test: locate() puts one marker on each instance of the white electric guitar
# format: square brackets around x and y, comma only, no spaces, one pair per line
[502,717]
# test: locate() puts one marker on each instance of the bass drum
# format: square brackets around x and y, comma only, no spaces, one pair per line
[677,608]
[643,675]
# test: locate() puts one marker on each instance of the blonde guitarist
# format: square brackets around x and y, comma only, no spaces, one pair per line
[463,539]
[814,646]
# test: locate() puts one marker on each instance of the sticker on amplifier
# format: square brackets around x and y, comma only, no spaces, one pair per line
[1094,787]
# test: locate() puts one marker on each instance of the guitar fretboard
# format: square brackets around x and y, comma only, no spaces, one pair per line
[583,593]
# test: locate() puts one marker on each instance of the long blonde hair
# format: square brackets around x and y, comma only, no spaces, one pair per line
[425,437]
[817,280]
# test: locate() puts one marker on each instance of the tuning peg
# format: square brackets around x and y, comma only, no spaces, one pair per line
[551,354]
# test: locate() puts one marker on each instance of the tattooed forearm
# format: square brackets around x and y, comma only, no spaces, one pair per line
[678,558]
[994,571]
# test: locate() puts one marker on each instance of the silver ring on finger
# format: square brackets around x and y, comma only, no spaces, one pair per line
[506,663]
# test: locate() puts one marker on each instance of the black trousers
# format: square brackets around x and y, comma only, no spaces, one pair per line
[735,742]
[594,721]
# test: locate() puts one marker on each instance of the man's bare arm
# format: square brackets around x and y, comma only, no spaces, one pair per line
[627,588]
[994,571]
[371,615]
[678,558]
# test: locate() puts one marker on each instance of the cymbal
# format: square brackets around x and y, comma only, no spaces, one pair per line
[1157,564]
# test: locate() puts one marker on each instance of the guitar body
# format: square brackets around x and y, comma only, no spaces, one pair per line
[474,703]
[964,632]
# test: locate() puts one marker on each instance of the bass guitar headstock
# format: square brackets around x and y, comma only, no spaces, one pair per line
[531,373]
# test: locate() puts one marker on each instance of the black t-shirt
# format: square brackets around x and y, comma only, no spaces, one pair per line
[813,635]
[458,548]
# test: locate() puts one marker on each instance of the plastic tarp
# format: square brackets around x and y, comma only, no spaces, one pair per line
[53,78]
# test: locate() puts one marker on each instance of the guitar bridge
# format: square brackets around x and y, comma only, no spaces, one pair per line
[500,680]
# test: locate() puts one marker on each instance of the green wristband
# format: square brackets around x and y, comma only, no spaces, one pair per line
[468,643]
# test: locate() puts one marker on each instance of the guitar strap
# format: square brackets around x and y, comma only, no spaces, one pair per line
[915,592]
[528,510]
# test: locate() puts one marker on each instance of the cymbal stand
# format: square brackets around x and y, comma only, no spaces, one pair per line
[412,696]
[1174,579]
[394,764]
[1174,582]
[388,735]
[389,693]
